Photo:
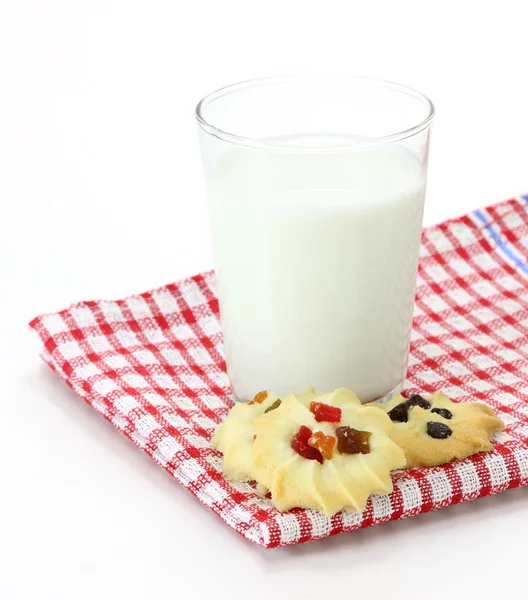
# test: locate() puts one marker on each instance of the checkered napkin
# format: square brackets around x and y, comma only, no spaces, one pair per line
[153,365]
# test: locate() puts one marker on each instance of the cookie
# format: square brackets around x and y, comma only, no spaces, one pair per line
[329,454]
[432,431]
[234,436]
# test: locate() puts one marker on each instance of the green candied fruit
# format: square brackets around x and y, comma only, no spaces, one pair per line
[275,405]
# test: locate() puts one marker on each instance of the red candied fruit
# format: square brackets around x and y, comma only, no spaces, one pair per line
[301,446]
[259,398]
[324,443]
[325,412]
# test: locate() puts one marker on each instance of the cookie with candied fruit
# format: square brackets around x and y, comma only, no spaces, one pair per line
[234,436]
[329,453]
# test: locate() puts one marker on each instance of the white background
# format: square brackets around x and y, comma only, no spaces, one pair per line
[102,195]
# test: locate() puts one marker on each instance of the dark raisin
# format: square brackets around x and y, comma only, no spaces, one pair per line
[439,431]
[352,441]
[443,412]
[418,400]
[399,414]
[275,405]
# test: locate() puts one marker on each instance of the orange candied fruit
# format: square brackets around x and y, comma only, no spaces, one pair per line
[324,443]
[259,398]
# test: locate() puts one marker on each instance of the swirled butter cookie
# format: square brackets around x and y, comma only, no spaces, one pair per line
[234,436]
[330,454]
[432,431]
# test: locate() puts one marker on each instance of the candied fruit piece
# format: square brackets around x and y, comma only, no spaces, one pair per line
[259,398]
[352,441]
[325,412]
[438,431]
[324,443]
[275,405]
[304,434]
[301,446]
[443,412]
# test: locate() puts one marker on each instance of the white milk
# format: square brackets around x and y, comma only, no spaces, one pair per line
[316,258]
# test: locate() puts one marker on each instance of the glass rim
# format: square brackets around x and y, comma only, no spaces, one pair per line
[259,143]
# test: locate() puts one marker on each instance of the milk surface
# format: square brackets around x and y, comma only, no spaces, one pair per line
[316,258]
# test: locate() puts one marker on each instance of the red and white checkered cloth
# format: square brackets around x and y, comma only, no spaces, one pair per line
[153,365]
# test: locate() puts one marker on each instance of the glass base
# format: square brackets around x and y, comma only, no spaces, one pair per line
[382,399]
[389,395]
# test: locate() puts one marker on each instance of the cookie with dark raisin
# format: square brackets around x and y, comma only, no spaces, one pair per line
[434,430]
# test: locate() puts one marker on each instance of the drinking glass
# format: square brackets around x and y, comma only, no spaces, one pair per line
[316,189]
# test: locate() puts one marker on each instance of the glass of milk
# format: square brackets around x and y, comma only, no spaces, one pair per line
[316,189]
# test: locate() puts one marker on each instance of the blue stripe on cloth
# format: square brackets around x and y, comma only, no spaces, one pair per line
[506,249]
[525,197]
